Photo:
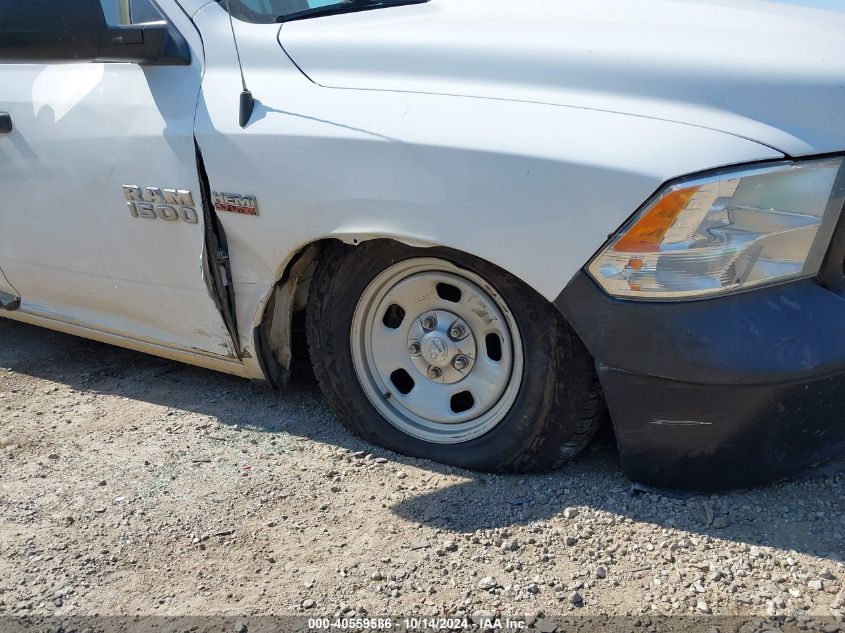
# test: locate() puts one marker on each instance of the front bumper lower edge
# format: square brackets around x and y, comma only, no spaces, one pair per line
[721,393]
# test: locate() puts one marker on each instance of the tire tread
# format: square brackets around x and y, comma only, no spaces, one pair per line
[575,393]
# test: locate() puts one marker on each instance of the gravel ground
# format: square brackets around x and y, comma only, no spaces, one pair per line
[131,485]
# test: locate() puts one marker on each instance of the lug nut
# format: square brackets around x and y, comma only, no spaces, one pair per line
[457,332]
[434,373]
[460,363]
[414,348]
[429,323]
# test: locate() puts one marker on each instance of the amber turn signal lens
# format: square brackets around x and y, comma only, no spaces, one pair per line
[725,232]
[646,235]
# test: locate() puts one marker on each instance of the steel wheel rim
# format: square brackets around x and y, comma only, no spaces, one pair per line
[441,364]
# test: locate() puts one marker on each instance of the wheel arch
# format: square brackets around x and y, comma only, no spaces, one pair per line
[278,329]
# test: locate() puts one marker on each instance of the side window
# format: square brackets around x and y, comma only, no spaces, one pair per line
[124,12]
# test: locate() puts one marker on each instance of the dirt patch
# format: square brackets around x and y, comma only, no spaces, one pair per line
[134,485]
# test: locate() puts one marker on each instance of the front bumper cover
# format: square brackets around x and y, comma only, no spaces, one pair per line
[721,393]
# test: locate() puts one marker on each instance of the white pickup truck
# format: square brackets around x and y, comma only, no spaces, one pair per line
[492,220]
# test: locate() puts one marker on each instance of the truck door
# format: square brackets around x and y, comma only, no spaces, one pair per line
[101,214]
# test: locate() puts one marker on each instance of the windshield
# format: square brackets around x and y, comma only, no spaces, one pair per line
[266,11]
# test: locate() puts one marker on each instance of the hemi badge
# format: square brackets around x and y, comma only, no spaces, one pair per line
[234,203]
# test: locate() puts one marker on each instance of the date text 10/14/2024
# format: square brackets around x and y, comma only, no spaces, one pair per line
[421,623]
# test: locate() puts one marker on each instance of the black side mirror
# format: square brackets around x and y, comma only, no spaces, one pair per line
[156,43]
[151,44]
[39,31]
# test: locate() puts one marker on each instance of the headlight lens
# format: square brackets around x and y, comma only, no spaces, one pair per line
[727,232]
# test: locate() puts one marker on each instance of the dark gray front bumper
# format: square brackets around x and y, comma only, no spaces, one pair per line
[721,393]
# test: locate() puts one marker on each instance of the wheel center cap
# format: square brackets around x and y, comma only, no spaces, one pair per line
[436,350]
[441,346]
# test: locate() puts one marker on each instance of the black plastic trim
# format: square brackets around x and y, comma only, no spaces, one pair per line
[832,271]
[39,31]
[721,393]
[147,44]
[9,301]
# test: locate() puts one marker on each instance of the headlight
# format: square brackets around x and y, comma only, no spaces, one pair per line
[726,232]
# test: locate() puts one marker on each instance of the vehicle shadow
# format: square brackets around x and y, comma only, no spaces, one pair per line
[789,516]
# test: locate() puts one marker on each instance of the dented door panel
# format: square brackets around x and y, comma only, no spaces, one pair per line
[104,224]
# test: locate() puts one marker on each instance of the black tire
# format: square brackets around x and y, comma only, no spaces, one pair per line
[556,412]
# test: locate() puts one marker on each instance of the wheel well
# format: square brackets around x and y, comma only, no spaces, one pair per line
[280,337]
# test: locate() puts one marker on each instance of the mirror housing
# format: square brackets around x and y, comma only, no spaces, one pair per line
[42,31]
[154,43]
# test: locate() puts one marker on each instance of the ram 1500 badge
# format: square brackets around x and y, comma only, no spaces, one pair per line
[493,221]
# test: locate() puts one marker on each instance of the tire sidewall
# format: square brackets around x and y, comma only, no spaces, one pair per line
[518,432]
